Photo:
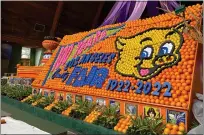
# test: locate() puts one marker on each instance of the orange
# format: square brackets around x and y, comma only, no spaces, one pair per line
[124,131]
[116,128]
[169,126]
[178,104]
[182,124]
[179,133]
[161,101]
[157,101]
[181,128]
[182,99]
[178,92]
[187,88]
[166,131]
[122,126]
[173,132]
[173,103]
[184,105]
[175,127]
[174,95]
[119,129]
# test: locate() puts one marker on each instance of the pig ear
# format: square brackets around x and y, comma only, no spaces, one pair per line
[180,27]
[120,42]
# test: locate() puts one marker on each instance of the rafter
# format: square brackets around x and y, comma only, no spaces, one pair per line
[56,18]
[95,21]
[21,40]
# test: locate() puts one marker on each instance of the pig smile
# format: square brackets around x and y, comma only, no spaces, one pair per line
[146,71]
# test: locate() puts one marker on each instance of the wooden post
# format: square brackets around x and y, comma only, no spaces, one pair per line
[95,21]
[56,18]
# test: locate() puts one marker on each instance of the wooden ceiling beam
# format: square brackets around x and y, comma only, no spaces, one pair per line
[21,40]
[37,5]
[95,21]
[44,20]
[56,18]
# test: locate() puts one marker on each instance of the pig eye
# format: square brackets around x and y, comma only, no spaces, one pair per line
[166,49]
[146,52]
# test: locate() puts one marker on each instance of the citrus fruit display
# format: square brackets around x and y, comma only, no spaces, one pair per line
[92,116]
[174,129]
[123,124]
[146,62]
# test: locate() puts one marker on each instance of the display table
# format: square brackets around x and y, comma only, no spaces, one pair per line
[13,126]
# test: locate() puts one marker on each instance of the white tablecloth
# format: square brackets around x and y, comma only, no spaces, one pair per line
[13,126]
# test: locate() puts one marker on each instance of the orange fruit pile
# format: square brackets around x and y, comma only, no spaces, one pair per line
[92,116]
[123,124]
[173,129]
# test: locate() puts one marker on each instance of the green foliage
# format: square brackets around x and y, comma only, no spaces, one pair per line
[146,126]
[109,117]
[45,101]
[60,106]
[18,92]
[82,109]
[3,82]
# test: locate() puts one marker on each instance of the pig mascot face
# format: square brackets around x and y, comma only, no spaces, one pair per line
[147,53]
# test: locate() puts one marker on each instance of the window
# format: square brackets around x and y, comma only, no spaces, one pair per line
[25,53]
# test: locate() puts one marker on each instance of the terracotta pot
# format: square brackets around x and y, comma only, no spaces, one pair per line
[50,44]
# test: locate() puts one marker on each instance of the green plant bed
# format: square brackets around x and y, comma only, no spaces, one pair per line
[67,122]
[82,109]
[17,92]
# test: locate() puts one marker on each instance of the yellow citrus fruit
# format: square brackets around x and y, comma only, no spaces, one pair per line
[166,131]
[124,131]
[175,127]
[182,124]
[173,132]
[168,125]
[122,126]
[116,128]
[181,128]
[119,129]
[179,133]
